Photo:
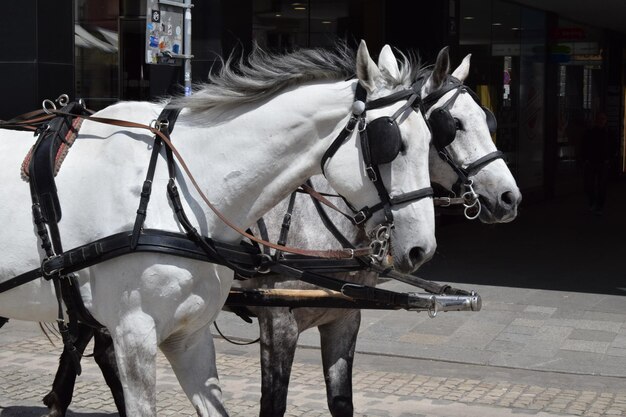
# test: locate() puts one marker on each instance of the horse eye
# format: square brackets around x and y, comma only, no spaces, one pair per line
[458,124]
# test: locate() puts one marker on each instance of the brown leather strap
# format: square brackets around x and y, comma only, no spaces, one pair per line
[448,201]
[27,121]
[30,120]
[319,197]
[334,254]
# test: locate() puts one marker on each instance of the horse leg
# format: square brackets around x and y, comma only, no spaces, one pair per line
[279,336]
[60,397]
[104,355]
[192,357]
[3,321]
[338,341]
[135,344]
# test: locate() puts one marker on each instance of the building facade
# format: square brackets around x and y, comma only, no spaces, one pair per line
[543,75]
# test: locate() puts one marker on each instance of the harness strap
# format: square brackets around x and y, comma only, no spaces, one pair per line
[30,121]
[349,289]
[330,226]
[339,140]
[307,188]
[165,124]
[477,165]
[264,235]
[286,225]
[333,254]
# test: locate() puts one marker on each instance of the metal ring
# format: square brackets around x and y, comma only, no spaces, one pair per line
[48,106]
[63,99]
[382,233]
[264,270]
[469,199]
[432,311]
[467,209]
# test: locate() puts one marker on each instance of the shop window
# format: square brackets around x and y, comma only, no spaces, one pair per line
[284,25]
[96,51]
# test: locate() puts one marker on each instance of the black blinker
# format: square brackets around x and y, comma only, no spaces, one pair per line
[384,140]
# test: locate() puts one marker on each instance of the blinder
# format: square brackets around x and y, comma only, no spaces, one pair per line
[444,126]
[384,140]
[381,142]
[492,123]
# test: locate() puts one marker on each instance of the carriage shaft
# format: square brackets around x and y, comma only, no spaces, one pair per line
[335,299]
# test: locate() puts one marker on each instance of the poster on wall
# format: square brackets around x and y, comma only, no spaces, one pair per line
[164,32]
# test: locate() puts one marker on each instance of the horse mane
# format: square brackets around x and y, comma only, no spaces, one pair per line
[263,74]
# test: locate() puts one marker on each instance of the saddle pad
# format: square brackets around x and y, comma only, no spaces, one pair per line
[64,148]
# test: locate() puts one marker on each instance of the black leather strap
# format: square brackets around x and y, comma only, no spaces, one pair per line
[477,165]
[339,140]
[412,196]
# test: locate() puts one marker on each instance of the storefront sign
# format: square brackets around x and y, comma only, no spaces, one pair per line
[505,49]
[568,33]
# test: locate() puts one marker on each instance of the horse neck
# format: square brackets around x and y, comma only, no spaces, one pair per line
[256,158]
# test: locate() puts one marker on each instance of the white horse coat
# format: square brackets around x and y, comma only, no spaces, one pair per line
[246,158]
[281,326]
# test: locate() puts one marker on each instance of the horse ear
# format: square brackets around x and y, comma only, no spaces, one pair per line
[463,70]
[440,71]
[387,62]
[366,69]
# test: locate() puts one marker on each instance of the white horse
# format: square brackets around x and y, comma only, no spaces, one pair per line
[250,139]
[280,327]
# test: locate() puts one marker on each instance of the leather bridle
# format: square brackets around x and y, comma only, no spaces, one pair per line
[358,118]
[464,184]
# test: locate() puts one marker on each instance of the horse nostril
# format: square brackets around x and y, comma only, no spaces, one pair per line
[508,198]
[417,256]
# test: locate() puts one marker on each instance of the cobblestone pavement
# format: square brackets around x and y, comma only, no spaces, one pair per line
[383,385]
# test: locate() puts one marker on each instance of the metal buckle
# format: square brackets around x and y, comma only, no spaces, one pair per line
[49,275]
[447,201]
[351,124]
[371,174]
[359,218]
[287,220]
[162,124]
[362,124]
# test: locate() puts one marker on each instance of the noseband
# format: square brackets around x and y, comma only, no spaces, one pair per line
[444,127]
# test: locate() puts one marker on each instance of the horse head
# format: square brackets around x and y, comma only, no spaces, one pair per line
[463,156]
[383,165]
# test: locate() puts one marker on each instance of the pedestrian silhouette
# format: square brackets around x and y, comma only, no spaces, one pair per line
[597,151]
